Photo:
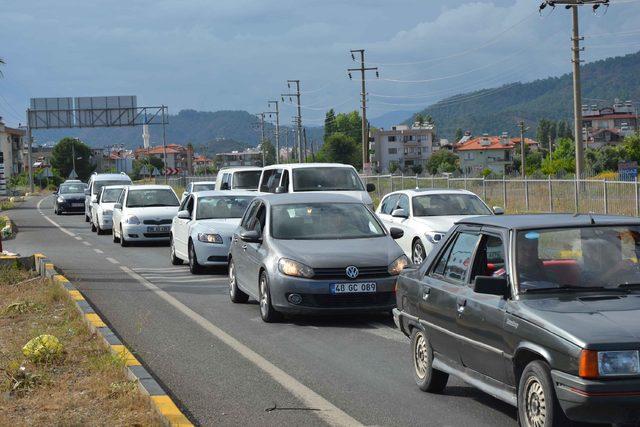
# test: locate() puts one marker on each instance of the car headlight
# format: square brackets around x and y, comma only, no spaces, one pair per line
[594,364]
[294,268]
[210,238]
[433,236]
[398,265]
[132,219]
[60,200]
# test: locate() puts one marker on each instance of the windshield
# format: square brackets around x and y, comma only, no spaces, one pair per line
[97,185]
[324,221]
[151,198]
[204,187]
[110,195]
[72,188]
[246,180]
[581,257]
[326,179]
[449,204]
[222,207]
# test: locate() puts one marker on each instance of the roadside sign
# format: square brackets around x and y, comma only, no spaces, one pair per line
[155,172]
[72,175]
[144,171]
[628,171]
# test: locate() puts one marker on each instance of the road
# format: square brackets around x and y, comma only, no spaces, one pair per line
[222,364]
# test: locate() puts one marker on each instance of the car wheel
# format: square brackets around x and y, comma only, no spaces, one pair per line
[418,254]
[427,378]
[174,259]
[267,312]
[123,242]
[86,218]
[194,267]
[115,235]
[93,227]
[236,295]
[537,402]
[99,230]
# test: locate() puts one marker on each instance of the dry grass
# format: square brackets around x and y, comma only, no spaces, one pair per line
[86,387]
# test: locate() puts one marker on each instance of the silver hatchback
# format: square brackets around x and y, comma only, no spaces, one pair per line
[313,254]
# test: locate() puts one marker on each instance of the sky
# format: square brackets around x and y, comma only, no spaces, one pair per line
[237,54]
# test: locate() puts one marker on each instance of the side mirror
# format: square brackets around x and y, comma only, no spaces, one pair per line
[55,193]
[497,210]
[280,189]
[224,186]
[399,213]
[250,236]
[184,215]
[117,206]
[396,233]
[94,198]
[371,188]
[86,192]
[490,285]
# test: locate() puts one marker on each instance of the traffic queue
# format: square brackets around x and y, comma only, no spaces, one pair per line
[540,311]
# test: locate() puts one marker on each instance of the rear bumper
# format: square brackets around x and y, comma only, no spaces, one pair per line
[598,401]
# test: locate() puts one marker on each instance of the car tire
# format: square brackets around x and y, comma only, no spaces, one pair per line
[418,253]
[99,230]
[86,218]
[116,239]
[93,227]
[537,401]
[235,294]
[123,242]
[267,312]
[174,259]
[427,378]
[194,267]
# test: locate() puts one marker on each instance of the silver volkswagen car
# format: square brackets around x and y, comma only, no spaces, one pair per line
[313,253]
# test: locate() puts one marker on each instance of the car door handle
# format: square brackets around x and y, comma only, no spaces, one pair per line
[462,303]
[244,247]
[425,292]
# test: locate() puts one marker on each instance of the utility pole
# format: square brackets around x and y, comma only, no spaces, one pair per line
[73,154]
[298,117]
[277,113]
[164,145]
[365,133]
[262,138]
[523,157]
[577,95]
[29,141]
[304,133]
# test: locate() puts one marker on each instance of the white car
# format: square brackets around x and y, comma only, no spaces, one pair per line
[201,232]
[144,213]
[101,214]
[238,178]
[192,187]
[426,216]
[306,177]
[96,182]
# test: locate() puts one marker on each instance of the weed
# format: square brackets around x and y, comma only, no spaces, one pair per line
[56,293]
[21,307]
[5,205]
[122,388]
[19,381]
[11,274]
[106,362]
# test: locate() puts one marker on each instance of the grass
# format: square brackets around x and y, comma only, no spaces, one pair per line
[3,222]
[87,386]
[5,205]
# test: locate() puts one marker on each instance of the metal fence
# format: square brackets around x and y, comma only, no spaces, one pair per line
[529,195]
[182,181]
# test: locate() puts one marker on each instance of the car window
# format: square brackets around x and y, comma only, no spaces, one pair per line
[97,185]
[248,215]
[72,188]
[326,179]
[285,181]
[456,261]
[121,198]
[490,260]
[202,187]
[246,180]
[259,220]
[189,207]
[389,204]
[226,179]
[110,195]
[270,180]
[449,204]
[151,197]
[442,262]
[216,207]
[403,203]
[183,204]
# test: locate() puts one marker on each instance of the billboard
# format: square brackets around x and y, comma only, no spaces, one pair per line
[100,111]
[51,113]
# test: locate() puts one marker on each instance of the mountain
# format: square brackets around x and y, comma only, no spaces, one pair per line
[389,119]
[499,109]
[210,132]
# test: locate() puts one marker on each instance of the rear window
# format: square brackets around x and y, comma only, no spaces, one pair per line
[111,195]
[72,188]
[97,185]
[246,180]
[326,179]
[204,187]
[151,198]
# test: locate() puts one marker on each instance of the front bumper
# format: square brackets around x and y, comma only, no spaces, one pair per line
[212,254]
[68,207]
[139,233]
[598,401]
[318,299]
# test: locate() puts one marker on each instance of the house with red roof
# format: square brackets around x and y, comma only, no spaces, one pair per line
[609,125]
[488,152]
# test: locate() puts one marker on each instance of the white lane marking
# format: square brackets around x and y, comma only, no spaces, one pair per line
[328,412]
[52,221]
[384,331]
[161,270]
[98,251]
[86,243]
[112,261]
[171,281]
[78,238]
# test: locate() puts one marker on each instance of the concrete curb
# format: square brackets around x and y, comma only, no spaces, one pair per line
[164,405]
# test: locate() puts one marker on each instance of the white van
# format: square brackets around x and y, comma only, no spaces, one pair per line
[304,177]
[238,178]
[96,182]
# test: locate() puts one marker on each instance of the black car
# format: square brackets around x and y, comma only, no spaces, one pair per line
[540,311]
[69,197]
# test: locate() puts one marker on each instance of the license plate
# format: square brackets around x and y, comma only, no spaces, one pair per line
[158,229]
[353,288]
[77,205]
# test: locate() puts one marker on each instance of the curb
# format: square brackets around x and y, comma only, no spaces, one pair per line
[163,404]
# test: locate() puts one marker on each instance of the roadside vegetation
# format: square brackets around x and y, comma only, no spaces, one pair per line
[53,371]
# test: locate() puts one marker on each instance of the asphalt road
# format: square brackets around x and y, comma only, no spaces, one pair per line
[222,364]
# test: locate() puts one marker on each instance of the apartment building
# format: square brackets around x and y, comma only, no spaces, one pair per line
[401,147]
[609,125]
[489,152]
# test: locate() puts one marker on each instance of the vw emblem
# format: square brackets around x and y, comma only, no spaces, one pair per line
[352,272]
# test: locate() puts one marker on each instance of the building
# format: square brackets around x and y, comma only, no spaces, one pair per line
[178,156]
[250,157]
[402,146]
[488,152]
[11,142]
[609,125]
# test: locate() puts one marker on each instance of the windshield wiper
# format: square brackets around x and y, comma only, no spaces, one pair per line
[571,288]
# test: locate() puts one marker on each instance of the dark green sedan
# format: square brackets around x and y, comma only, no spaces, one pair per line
[540,311]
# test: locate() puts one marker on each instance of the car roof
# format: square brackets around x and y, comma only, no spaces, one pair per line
[522,222]
[71,181]
[111,187]
[310,197]
[240,168]
[427,191]
[149,187]
[210,193]
[111,177]
[307,165]
[202,182]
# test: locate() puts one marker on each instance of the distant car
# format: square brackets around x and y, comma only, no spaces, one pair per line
[192,187]
[96,182]
[540,311]
[144,213]
[101,214]
[425,216]
[313,253]
[307,177]
[201,232]
[69,197]
[238,178]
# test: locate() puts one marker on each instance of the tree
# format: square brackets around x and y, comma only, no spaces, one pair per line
[62,158]
[563,158]
[269,152]
[442,161]
[329,123]
[417,169]
[419,119]
[341,148]
[150,163]
[459,135]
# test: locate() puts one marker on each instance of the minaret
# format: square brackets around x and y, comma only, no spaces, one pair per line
[145,136]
